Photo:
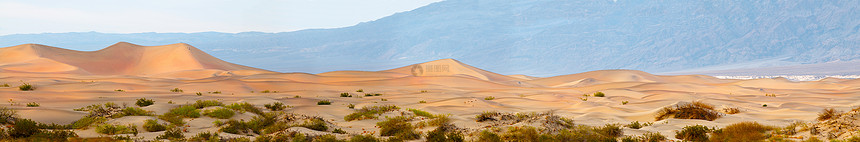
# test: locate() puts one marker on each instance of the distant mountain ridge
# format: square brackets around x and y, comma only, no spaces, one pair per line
[538,38]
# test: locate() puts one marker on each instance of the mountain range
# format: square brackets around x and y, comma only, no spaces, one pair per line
[538,38]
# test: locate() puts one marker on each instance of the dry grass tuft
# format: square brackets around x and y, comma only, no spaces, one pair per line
[743,131]
[827,114]
[695,110]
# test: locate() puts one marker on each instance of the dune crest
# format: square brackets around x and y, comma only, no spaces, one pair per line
[119,59]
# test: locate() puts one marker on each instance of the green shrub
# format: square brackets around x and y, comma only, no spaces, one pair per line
[207,103]
[696,133]
[142,102]
[350,106]
[525,133]
[399,127]
[235,127]
[116,129]
[422,101]
[26,87]
[345,95]
[198,94]
[324,102]
[152,125]
[422,113]
[5,85]
[624,102]
[364,138]
[823,115]
[743,131]
[86,121]
[172,118]
[487,136]
[338,131]
[599,94]
[33,104]
[245,106]
[205,137]
[220,113]
[187,111]
[24,128]
[695,110]
[276,106]
[369,112]
[487,116]
[216,92]
[52,135]
[315,124]
[653,137]
[609,130]
[176,90]
[133,111]
[172,134]
[489,98]
[327,138]
[119,90]
[359,90]
[637,125]
[442,134]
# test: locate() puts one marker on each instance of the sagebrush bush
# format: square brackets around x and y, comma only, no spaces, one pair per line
[731,110]
[7,115]
[33,104]
[315,124]
[52,135]
[26,87]
[142,102]
[369,112]
[345,95]
[488,136]
[399,127]
[187,111]
[599,94]
[487,116]
[206,103]
[172,134]
[743,131]
[24,128]
[176,90]
[826,114]
[152,125]
[133,111]
[695,110]
[220,113]
[245,106]
[443,134]
[205,137]
[324,102]
[422,113]
[276,106]
[696,133]
[489,98]
[637,125]
[86,122]
[110,129]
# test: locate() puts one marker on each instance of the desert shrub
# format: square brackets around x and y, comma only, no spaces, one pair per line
[653,137]
[487,116]
[489,98]
[364,138]
[324,102]
[826,114]
[276,106]
[188,111]
[24,128]
[368,95]
[207,103]
[316,124]
[132,111]
[345,95]
[7,115]
[33,104]
[399,127]
[98,110]
[696,133]
[235,127]
[637,125]
[5,85]
[525,133]
[119,90]
[326,138]
[338,131]
[422,113]
[487,136]
[350,106]
[743,131]
[109,129]
[172,134]
[172,118]
[359,90]
[152,125]
[142,102]
[695,110]
[176,90]
[86,121]
[245,106]
[205,137]
[369,112]
[26,87]
[609,130]
[262,121]
[731,110]
[624,102]
[599,94]
[440,120]
[443,134]
[220,113]
[52,135]
[422,101]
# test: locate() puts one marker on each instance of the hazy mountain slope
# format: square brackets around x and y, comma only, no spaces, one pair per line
[542,38]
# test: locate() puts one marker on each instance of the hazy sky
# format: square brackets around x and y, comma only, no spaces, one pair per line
[122,16]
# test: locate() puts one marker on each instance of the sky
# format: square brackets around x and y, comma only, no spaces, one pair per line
[168,16]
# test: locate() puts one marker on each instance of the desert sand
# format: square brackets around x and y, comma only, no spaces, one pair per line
[66,80]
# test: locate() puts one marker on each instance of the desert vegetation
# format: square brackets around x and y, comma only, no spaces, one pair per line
[694,110]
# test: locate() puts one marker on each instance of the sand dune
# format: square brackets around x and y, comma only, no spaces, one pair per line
[66,80]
